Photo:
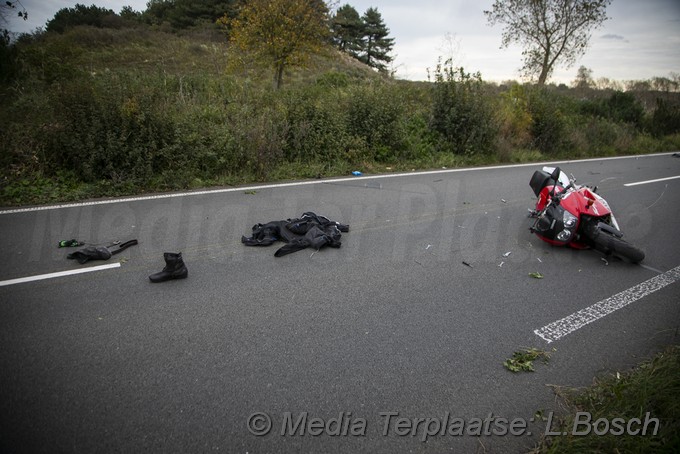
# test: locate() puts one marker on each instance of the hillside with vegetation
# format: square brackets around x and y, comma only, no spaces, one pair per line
[127,103]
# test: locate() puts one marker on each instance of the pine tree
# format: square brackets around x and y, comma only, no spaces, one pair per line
[347,28]
[376,44]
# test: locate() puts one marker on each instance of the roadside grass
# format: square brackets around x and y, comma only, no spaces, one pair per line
[104,112]
[652,387]
[36,189]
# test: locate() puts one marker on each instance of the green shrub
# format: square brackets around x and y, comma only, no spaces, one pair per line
[374,114]
[315,126]
[666,118]
[547,120]
[461,111]
[101,137]
[514,117]
[620,107]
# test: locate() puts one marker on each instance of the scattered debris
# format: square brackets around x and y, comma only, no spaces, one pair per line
[523,360]
[539,259]
[504,201]
[309,230]
[99,252]
[356,173]
[428,247]
[536,275]
[250,192]
[70,243]
[467,264]
[676,155]
[500,265]
[539,415]
[606,263]
[507,254]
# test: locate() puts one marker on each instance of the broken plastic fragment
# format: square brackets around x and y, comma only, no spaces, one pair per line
[536,275]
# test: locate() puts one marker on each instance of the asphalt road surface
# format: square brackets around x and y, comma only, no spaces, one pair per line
[389,344]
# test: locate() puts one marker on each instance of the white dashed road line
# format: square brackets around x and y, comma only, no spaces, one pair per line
[40,277]
[651,181]
[560,328]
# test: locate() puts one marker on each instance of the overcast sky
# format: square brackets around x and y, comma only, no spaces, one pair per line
[641,39]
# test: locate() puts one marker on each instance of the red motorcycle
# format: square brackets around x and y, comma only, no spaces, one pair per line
[576,216]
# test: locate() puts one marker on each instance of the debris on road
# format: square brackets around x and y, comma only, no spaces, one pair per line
[70,243]
[175,268]
[536,275]
[98,252]
[523,360]
[467,264]
[309,230]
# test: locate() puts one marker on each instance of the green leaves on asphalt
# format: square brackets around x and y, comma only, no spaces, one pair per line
[523,360]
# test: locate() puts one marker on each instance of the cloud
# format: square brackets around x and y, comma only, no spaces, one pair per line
[614,37]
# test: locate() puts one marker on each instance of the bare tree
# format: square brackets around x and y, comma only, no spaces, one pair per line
[10,7]
[552,32]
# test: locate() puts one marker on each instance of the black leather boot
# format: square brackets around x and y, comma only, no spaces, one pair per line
[174,268]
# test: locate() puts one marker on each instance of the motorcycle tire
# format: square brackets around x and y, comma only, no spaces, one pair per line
[610,244]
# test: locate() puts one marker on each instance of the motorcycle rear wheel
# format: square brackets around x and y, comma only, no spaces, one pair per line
[610,244]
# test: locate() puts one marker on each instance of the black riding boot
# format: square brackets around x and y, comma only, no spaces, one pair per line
[174,268]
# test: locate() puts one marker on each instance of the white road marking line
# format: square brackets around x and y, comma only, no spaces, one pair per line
[577,320]
[40,277]
[306,183]
[651,181]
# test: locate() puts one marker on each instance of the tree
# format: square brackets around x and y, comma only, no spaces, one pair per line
[182,14]
[584,78]
[552,32]
[93,15]
[11,6]
[282,32]
[376,44]
[347,28]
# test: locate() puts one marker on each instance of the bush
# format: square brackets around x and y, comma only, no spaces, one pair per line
[620,107]
[666,118]
[374,114]
[514,117]
[461,111]
[100,136]
[547,120]
[315,126]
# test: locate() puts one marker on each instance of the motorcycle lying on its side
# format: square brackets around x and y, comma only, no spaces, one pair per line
[568,214]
